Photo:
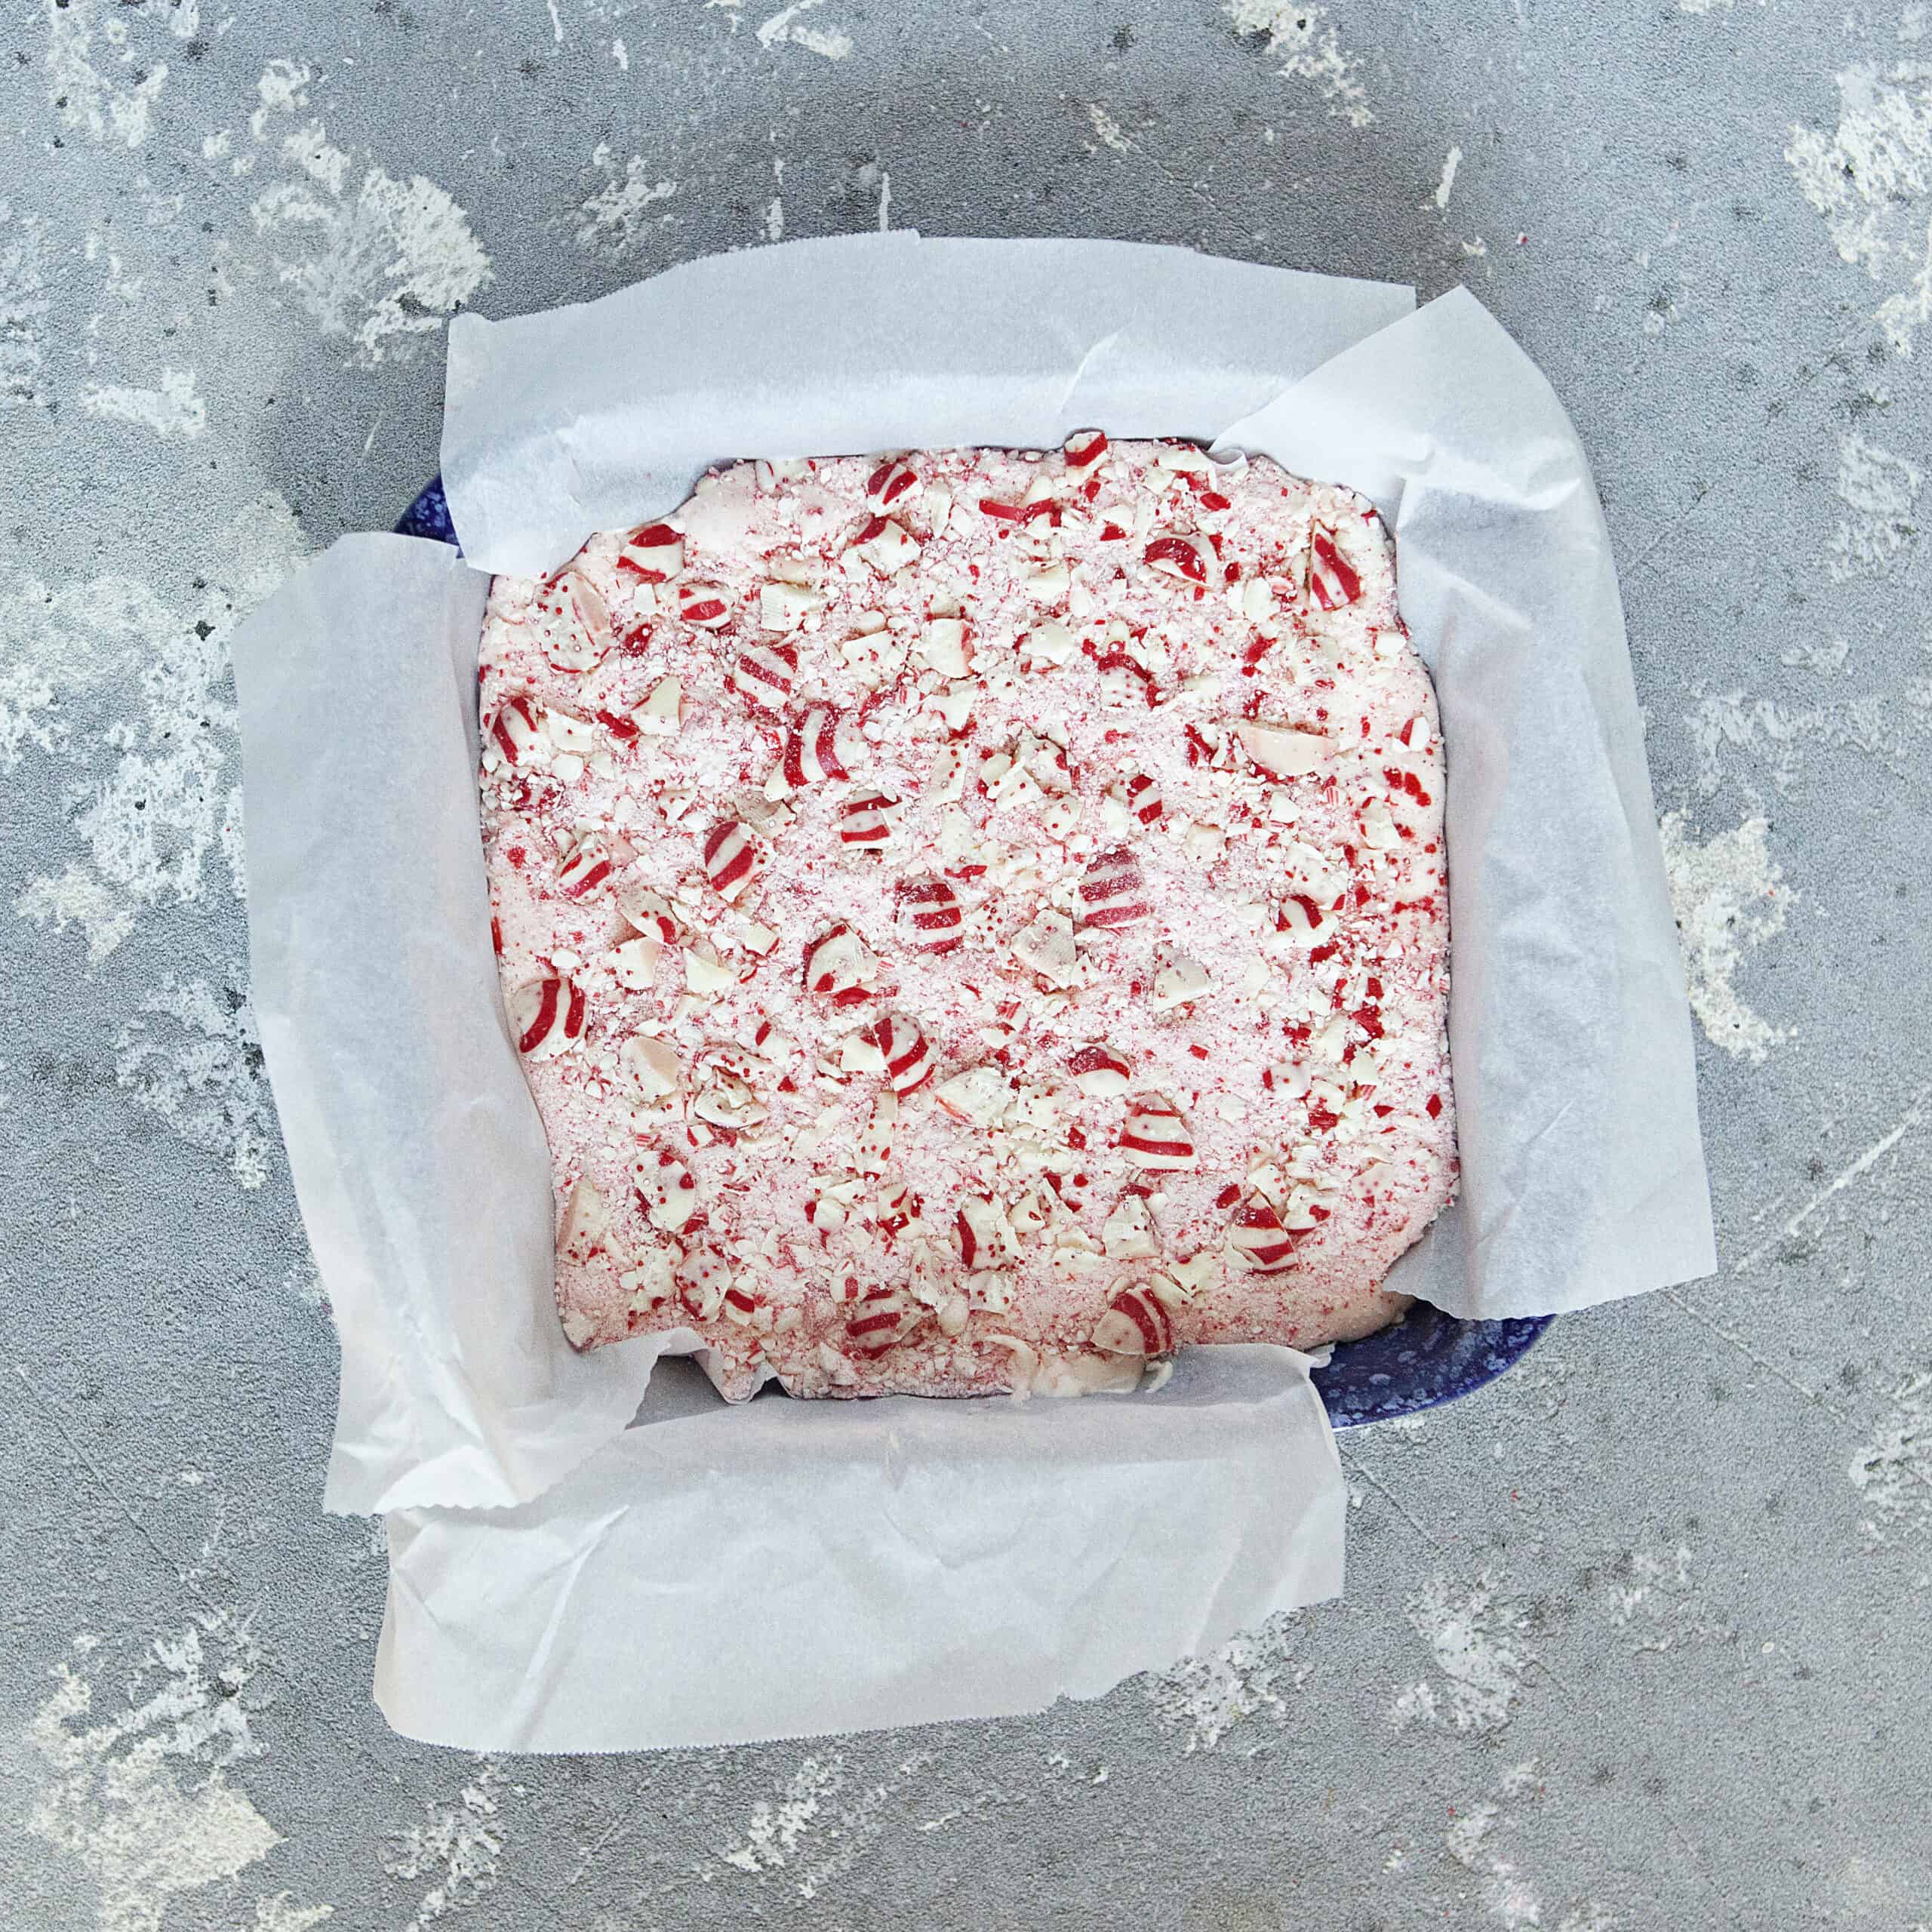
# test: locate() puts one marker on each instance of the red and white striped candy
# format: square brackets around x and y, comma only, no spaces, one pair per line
[1155,1135]
[1085,452]
[704,1279]
[838,963]
[703,603]
[822,744]
[1331,577]
[866,820]
[1111,892]
[930,919]
[729,856]
[909,1060]
[763,672]
[518,730]
[654,554]
[885,546]
[1191,559]
[1136,1324]
[879,1318]
[984,1235]
[547,1016]
[1143,798]
[1100,1071]
[584,866]
[1262,1238]
[890,482]
[667,1190]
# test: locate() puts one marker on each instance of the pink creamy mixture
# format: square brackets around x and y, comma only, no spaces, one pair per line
[975,920]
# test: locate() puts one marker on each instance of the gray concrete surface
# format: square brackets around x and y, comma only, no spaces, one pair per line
[1639,1637]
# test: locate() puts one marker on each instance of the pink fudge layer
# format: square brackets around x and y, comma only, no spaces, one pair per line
[975,920]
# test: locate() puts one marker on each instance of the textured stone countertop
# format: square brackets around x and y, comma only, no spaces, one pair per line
[1637,1637]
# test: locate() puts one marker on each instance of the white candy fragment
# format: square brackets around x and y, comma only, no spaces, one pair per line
[650,1067]
[1044,946]
[646,911]
[1378,828]
[587,1221]
[985,1237]
[875,1143]
[704,1278]
[784,606]
[667,1188]
[659,714]
[727,1101]
[572,622]
[1127,1234]
[839,962]
[942,646]
[1280,750]
[1101,1072]
[1177,982]
[706,974]
[1052,643]
[576,737]
[886,546]
[980,1095]
[650,1283]
[634,961]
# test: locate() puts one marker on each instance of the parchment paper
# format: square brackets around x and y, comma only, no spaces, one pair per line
[419,1160]
[719,1576]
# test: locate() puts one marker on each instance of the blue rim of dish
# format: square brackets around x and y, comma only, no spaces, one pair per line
[1425,1359]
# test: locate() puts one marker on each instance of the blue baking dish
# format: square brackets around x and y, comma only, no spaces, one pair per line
[1425,1358]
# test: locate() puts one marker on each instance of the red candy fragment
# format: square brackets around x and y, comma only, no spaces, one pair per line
[930,919]
[1112,891]
[909,1060]
[1136,1323]
[889,482]
[822,744]
[1186,557]
[584,866]
[547,1016]
[1143,798]
[703,604]
[1155,1134]
[1085,452]
[1331,577]
[763,673]
[865,820]
[729,856]
[653,555]
[517,729]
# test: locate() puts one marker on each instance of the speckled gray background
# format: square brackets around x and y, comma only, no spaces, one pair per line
[1640,1637]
